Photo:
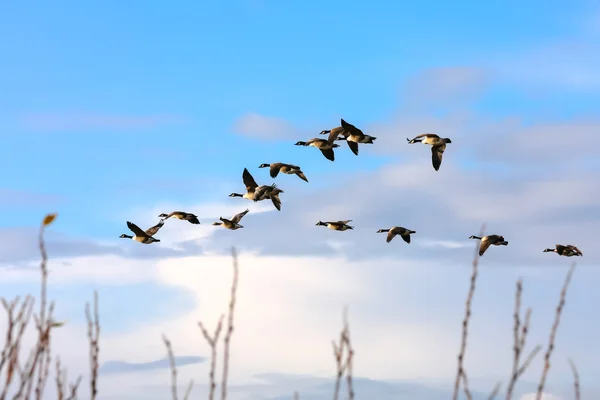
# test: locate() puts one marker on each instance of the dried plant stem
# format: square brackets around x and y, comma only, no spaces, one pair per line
[575,380]
[343,365]
[552,338]
[93,323]
[519,341]
[465,324]
[229,332]
[212,342]
[495,391]
[173,367]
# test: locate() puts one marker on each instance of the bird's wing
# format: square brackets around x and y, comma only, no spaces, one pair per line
[301,175]
[238,217]
[334,133]
[136,229]
[353,146]
[249,180]
[276,202]
[351,128]
[152,230]
[437,152]
[574,248]
[406,237]
[328,154]
[391,234]
[344,222]
[485,243]
[274,170]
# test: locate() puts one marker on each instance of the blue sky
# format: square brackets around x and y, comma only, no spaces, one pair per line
[112,112]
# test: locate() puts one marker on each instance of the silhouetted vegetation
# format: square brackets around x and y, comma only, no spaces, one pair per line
[28,377]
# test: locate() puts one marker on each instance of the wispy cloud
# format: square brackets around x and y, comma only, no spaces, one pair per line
[77,121]
[263,127]
[116,366]
[23,198]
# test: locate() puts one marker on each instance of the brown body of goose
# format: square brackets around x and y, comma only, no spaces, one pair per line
[184,216]
[321,144]
[487,241]
[232,223]
[438,146]
[258,193]
[350,133]
[565,250]
[336,225]
[145,237]
[397,230]
[276,168]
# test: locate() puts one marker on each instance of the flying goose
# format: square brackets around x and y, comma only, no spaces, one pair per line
[351,134]
[232,223]
[565,250]
[276,168]
[257,193]
[397,230]
[141,236]
[438,146]
[336,225]
[486,241]
[191,218]
[323,145]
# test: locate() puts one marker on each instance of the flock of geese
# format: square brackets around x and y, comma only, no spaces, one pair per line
[353,137]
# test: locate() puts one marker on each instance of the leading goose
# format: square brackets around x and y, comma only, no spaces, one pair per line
[336,225]
[276,168]
[438,146]
[350,133]
[257,193]
[232,223]
[565,250]
[487,241]
[184,216]
[141,236]
[397,230]
[321,144]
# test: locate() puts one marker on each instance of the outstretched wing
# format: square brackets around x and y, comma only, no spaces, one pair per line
[301,175]
[276,202]
[136,229]
[152,231]
[574,248]
[334,133]
[274,170]
[353,146]
[238,217]
[249,180]
[328,154]
[391,234]
[406,237]
[485,244]
[344,222]
[351,128]
[437,152]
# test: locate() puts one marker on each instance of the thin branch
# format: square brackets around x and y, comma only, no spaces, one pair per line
[552,338]
[212,342]
[465,324]
[495,391]
[93,323]
[173,367]
[575,380]
[229,332]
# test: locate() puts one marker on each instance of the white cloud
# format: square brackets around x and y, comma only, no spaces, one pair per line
[264,127]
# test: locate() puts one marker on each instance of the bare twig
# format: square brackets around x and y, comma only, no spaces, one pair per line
[465,324]
[93,338]
[173,367]
[296,396]
[212,342]
[229,331]
[552,338]
[343,365]
[465,382]
[575,380]
[349,356]
[495,391]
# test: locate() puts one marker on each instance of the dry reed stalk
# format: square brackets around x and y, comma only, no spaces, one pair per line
[343,365]
[519,341]
[93,323]
[575,380]
[188,391]
[61,383]
[296,396]
[229,332]
[460,372]
[212,342]
[552,338]
[495,391]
